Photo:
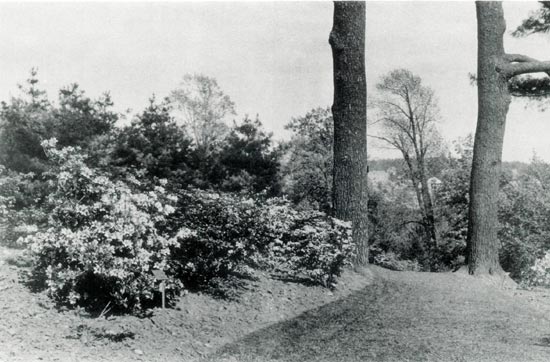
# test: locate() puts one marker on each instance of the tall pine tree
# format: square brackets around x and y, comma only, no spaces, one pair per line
[495,70]
[349,110]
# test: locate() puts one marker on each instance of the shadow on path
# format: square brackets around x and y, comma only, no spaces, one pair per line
[405,317]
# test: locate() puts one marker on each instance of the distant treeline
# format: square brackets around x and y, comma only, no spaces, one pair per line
[384,164]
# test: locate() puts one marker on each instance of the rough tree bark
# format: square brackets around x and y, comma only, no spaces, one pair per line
[347,40]
[495,68]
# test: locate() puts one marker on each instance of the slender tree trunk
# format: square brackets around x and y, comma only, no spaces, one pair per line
[414,180]
[423,197]
[428,204]
[349,110]
[493,102]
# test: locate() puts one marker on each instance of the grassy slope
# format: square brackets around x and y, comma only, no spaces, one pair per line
[399,316]
[405,316]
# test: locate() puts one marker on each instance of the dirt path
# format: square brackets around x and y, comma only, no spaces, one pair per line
[405,316]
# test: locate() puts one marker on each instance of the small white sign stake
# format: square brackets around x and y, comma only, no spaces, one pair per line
[161,276]
[162,290]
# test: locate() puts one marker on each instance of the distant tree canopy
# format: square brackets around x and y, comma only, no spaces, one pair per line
[155,143]
[203,107]
[534,88]
[30,118]
[199,150]
[408,112]
[249,160]
[537,22]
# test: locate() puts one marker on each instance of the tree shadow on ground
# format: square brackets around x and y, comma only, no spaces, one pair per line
[391,320]
[320,334]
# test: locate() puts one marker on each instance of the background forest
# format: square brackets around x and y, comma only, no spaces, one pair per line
[184,188]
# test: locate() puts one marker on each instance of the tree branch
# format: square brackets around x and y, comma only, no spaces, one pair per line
[381,138]
[519,58]
[401,127]
[522,64]
[397,107]
[375,122]
[393,143]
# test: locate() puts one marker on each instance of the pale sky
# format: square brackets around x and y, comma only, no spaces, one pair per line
[272,59]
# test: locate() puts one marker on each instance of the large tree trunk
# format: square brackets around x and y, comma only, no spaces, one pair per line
[349,110]
[493,102]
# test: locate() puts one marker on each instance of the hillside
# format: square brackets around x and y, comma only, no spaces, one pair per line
[377,315]
[407,316]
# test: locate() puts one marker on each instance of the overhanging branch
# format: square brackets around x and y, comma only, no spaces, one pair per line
[519,58]
[522,64]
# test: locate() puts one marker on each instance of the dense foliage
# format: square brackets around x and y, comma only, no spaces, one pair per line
[225,240]
[248,161]
[99,212]
[154,143]
[27,120]
[307,170]
[22,196]
[105,205]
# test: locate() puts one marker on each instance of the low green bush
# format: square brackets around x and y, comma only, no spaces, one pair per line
[391,261]
[21,205]
[230,234]
[224,237]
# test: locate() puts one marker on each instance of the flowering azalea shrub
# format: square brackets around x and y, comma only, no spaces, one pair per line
[104,237]
[307,243]
[223,236]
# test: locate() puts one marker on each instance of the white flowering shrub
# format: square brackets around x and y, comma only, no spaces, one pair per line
[104,237]
[306,243]
[539,273]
